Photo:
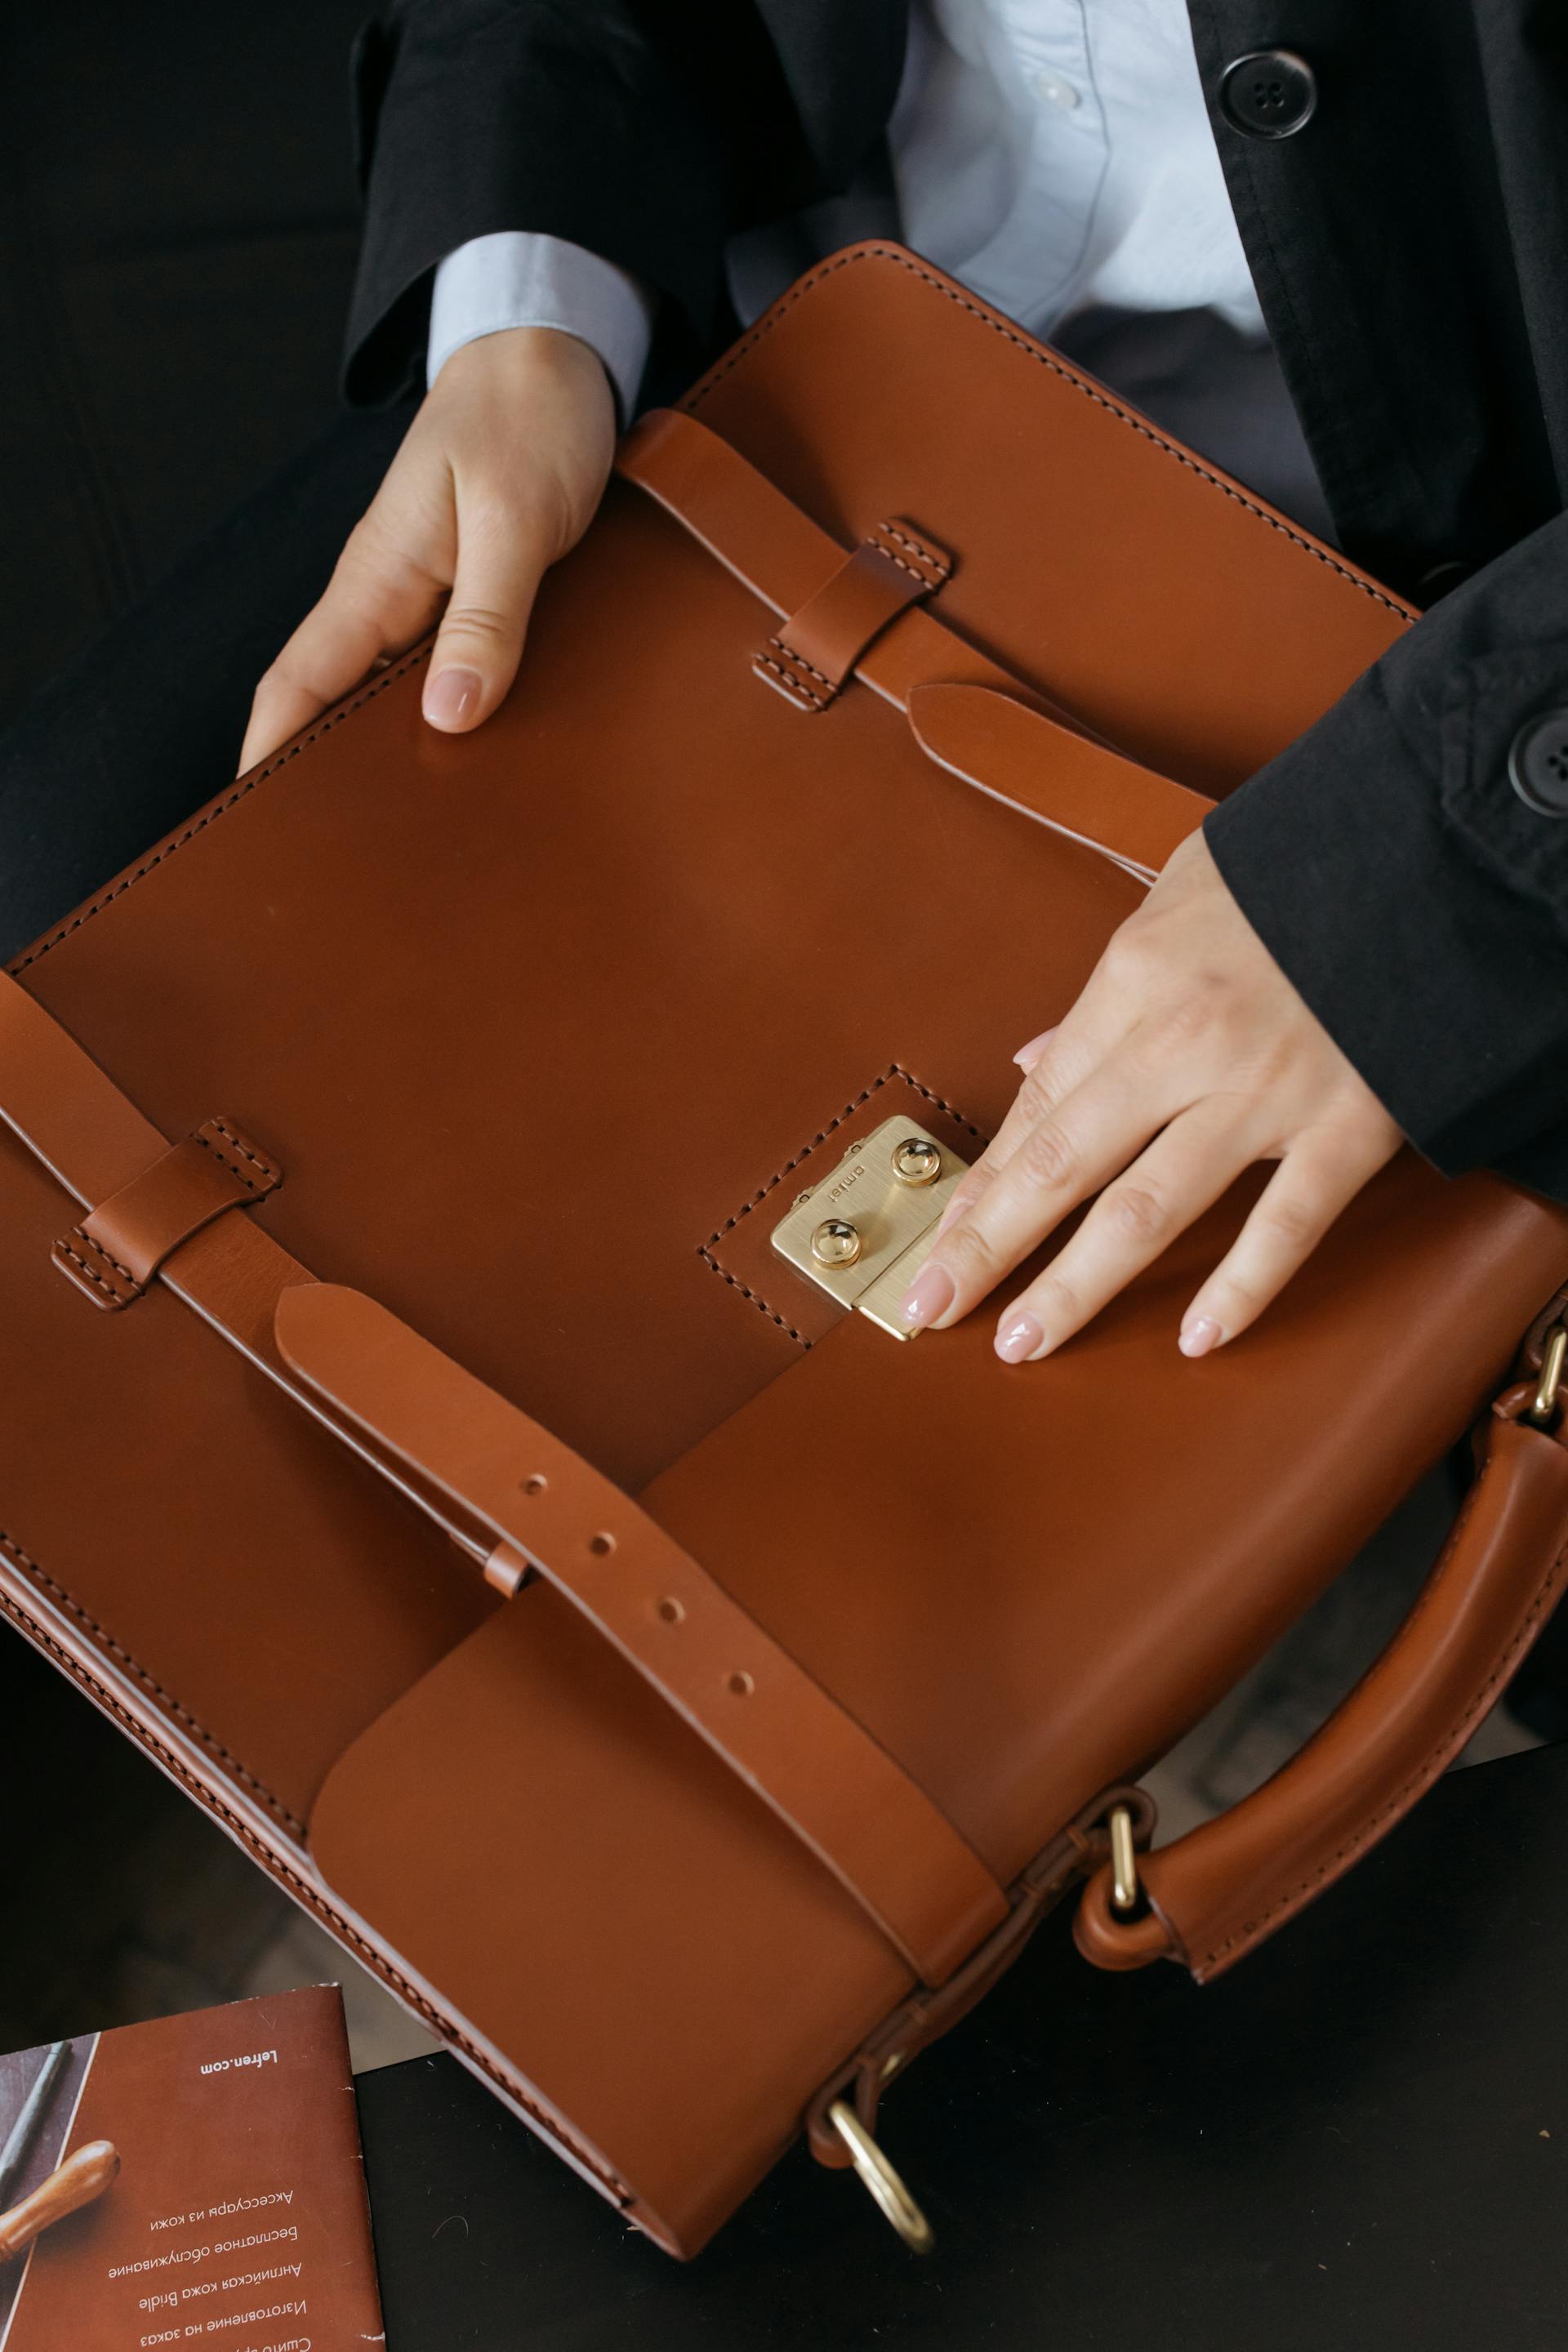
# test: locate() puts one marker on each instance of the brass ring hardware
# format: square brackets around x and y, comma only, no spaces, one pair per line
[1123,1860]
[1543,1408]
[898,2205]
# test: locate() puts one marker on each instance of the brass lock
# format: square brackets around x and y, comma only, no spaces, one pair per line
[862,1233]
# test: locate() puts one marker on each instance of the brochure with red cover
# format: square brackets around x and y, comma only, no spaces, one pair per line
[193,2181]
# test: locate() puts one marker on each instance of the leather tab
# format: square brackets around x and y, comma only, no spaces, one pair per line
[810,658]
[113,1253]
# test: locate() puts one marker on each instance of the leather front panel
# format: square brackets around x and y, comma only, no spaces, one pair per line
[528,1016]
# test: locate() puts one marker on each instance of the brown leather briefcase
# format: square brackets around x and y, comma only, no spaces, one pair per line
[452,1200]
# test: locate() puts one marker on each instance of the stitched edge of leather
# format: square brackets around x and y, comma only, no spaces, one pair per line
[705,1250]
[310,1896]
[214,809]
[784,673]
[1048,358]
[933,567]
[1412,1787]
[110,1294]
[269,1175]
[690,403]
[150,1683]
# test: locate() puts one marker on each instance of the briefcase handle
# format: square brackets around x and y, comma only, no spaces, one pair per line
[1210,1896]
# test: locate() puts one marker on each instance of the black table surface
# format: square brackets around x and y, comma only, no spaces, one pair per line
[1357,2138]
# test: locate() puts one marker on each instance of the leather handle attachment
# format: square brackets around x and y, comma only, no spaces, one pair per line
[1222,1889]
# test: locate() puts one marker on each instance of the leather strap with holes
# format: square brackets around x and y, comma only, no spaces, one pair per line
[842,1794]
[418,1418]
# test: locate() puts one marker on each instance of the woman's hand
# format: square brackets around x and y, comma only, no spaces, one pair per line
[498,476]
[1188,1056]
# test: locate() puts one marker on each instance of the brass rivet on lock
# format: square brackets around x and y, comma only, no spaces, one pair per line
[836,1241]
[916,1162]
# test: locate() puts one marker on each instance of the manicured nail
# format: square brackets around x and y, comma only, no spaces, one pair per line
[1018,1340]
[1027,1055]
[452,696]
[929,1295]
[1198,1337]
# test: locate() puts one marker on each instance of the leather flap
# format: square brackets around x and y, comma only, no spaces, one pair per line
[664,1969]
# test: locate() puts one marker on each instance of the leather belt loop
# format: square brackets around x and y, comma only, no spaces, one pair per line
[786,560]
[113,1253]
[809,658]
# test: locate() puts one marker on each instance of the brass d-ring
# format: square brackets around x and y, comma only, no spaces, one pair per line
[1543,1407]
[1124,1860]
[880,2179]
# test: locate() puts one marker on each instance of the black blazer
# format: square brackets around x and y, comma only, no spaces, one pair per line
[1410,249]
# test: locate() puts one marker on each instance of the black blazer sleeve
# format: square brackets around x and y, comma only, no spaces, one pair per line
[646,131]
[1417,902]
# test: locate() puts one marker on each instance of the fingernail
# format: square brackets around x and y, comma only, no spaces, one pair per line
[1027,1055]
[1198,1337]
[1019,1339]
[452,696]
[929,1295]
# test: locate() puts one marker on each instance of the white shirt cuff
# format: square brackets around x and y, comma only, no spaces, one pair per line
[519,278]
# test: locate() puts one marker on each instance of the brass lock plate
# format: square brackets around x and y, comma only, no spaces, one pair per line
[863,1231]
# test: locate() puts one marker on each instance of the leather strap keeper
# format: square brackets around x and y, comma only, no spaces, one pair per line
[818,648]
[113,1253]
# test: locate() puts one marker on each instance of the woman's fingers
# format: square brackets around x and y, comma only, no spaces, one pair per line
[1188,1055]
[526,421]
[504,549]
[376,600]
[1182,1173]
[1060,1059]
[1064,1153]
[498,476]
[1319,1176]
